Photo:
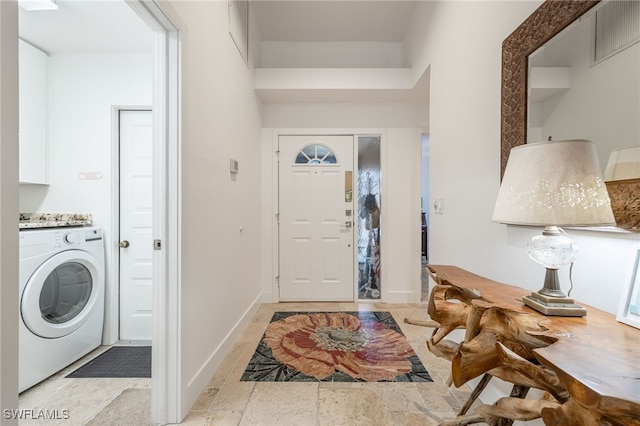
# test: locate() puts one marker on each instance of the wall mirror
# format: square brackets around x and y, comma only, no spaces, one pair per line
[559,83]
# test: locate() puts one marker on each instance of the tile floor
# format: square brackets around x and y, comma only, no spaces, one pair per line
[229,401]
[75,402]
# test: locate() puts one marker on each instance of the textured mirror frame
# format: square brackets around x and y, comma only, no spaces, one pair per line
[543,24]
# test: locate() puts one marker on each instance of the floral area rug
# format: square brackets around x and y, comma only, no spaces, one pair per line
[334,347]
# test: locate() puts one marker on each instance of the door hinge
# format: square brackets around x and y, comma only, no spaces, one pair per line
[157,244]
[277,277]
[277,155]
[277,218]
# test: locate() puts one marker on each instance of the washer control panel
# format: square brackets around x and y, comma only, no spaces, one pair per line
[78,236]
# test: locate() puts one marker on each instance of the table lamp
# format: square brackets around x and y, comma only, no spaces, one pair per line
[553,184]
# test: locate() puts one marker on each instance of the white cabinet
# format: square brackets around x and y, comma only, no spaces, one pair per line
[33,115]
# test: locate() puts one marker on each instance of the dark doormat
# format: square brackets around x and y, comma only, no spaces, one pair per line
[334,347]
[118,361]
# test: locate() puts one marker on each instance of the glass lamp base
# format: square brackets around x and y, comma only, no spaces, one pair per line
[557,306]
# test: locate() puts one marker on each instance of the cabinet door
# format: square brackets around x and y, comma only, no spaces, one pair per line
[33,114]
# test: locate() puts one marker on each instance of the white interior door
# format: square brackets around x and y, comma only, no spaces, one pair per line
[136,245]
[316,218]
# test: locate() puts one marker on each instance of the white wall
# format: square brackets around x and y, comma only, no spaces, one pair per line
[331,55]
[600,101]
[465,152]
[343,115]
[8,207]
[401,126]
[83,88]
[602,104]
[220,264]
[461,42]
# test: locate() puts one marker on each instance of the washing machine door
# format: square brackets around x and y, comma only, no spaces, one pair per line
[60,295]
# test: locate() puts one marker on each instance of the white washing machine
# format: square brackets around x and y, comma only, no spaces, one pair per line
[62,280]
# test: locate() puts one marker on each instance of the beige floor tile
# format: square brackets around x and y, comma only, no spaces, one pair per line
[434,395]
[233,396]
[205,400]
[239,356]
[219,378]
[403,397]
[213,418]
[83,398]
[412,419]
[352,385]
[228,401]
[242,358]
[437,377]
[350,407]
[444,416]
[282,404]
[131,408]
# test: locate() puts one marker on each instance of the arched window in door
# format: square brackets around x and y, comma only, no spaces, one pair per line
[316,154]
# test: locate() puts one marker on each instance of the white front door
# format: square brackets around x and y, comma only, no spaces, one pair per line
[136,245]
[316,218]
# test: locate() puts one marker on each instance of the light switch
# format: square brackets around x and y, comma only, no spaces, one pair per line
[233,166]
[438,206]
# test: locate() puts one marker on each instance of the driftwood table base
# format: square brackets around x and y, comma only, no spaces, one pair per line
[588,368]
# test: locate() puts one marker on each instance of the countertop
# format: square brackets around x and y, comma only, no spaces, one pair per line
[54,220]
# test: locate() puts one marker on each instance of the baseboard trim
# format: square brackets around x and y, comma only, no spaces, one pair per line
[268,297]
[400,297]
[200,380]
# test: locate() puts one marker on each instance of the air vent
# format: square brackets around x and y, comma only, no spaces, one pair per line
[617,27]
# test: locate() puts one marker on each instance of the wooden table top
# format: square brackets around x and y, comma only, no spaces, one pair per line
[596,356]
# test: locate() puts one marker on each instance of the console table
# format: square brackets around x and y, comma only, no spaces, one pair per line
[589,367]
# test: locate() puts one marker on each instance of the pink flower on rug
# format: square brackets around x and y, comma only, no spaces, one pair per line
[321,343]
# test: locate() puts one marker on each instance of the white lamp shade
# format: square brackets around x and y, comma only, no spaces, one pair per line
[557,183]
[624,163]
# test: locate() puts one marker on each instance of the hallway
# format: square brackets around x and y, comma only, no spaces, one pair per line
[229,401]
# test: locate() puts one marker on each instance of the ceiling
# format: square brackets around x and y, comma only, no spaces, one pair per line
[101,26]
[112,26]
[376,21]
[95,26]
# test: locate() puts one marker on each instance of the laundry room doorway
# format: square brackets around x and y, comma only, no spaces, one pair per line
[135,147]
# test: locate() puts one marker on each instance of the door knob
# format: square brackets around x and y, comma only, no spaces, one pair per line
[124,244]
[348,223]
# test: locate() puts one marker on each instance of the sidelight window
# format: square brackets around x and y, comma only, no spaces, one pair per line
[369,285]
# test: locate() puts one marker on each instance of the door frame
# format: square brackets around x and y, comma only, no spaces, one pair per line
[167,388]
[275,199]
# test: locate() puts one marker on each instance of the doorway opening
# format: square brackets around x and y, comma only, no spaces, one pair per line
[167,387]
[425,203]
